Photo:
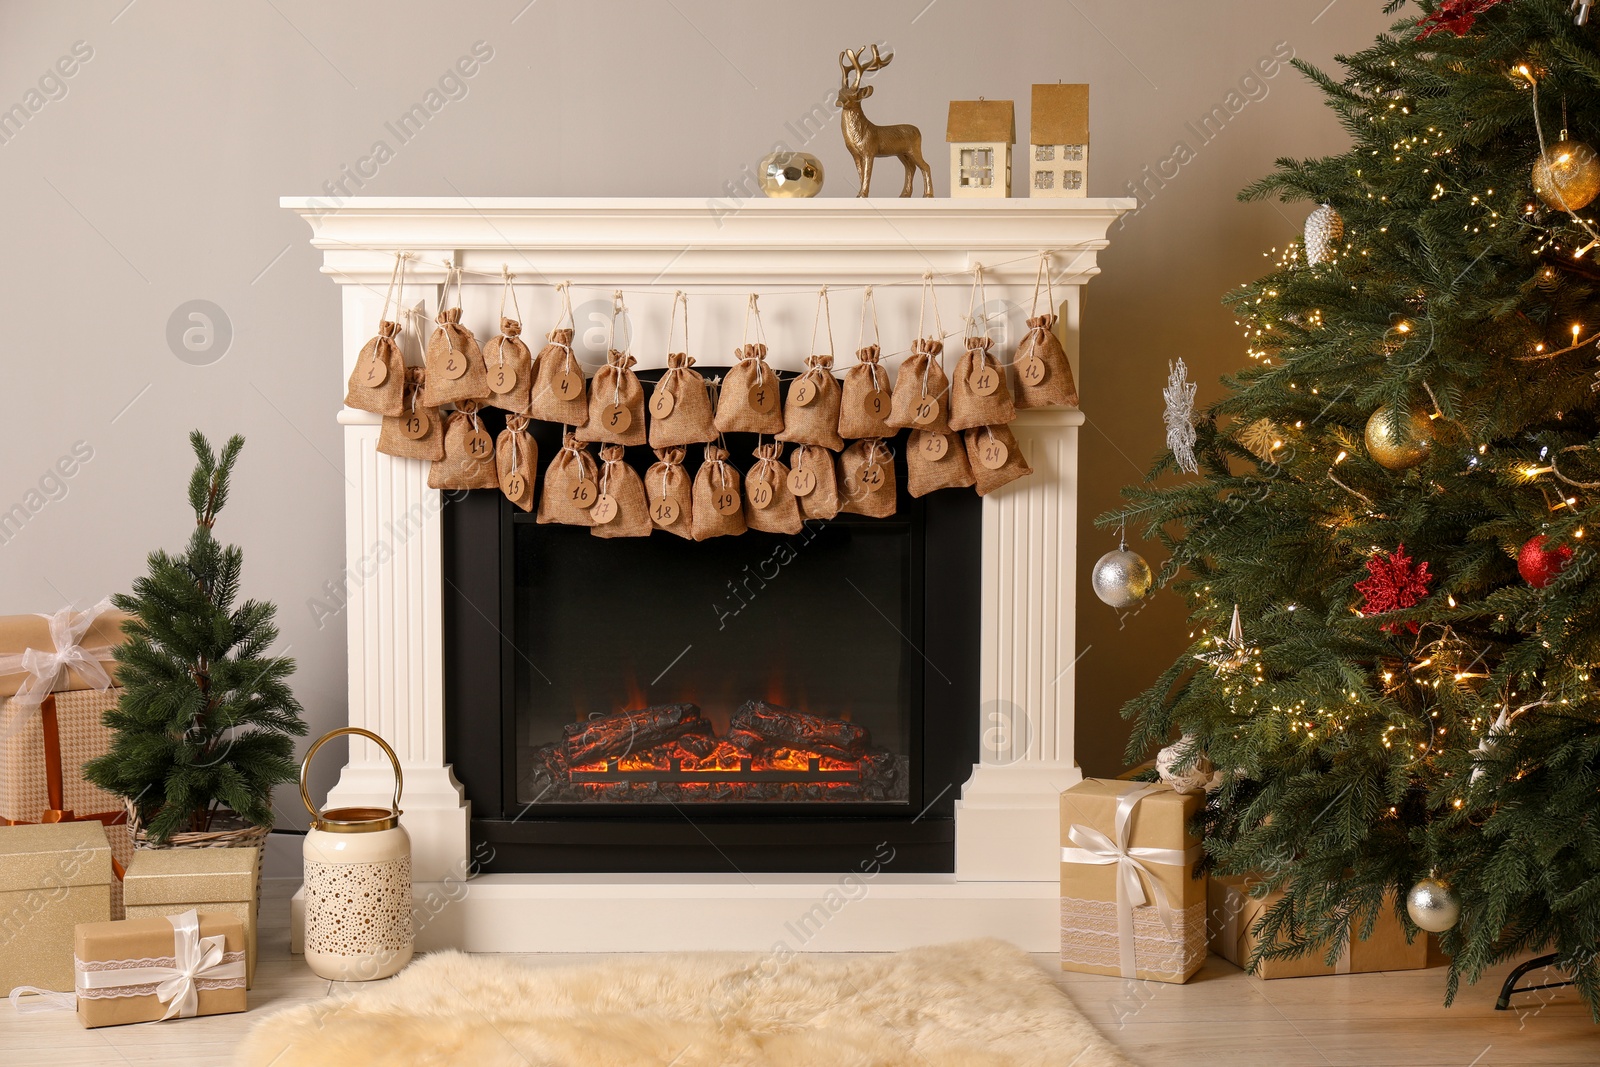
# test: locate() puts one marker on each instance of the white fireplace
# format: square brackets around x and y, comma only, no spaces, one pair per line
[1007,840]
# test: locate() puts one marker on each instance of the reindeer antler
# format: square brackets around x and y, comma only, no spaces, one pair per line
[877,62]
[849,61]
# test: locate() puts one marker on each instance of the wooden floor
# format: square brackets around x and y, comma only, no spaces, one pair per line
[1221,1016]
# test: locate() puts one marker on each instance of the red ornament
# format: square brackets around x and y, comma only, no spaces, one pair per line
[1395,584]
[1453,16]
[1539,565]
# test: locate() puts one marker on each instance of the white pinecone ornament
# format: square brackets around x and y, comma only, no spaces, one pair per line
[1324,231]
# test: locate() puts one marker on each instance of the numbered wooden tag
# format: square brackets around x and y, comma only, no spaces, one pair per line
[875,404]
[616,418]
[665,511]
[984,380]
[801,482]
[376,371]
[503,378]
[933,446]
[416,425]
[584,495]
[516,485]
[992,453]
[726,502]
[662,403]
[761,493]
[927,410]
[1032,371]
[455,364]
[479,445]
[605,509]
[569,386]
[764,395]
[872,477]
[804,392]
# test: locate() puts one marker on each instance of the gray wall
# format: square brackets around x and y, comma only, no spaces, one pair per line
[150,178]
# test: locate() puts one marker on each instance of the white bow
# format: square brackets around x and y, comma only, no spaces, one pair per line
[194,958]
[44,669]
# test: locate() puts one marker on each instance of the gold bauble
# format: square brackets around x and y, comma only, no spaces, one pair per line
[1401,444]
[1567,175]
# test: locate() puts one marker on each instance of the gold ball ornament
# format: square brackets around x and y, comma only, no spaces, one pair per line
[1398,445]
[1566,176]
[791,174]
[1433,906]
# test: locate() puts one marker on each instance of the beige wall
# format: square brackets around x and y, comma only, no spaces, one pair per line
[149,178]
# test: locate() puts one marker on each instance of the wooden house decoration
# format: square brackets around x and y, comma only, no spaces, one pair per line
[981,133]
[1058,157]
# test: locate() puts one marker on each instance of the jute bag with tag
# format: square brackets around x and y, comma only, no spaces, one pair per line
[468,461]
[670,493]
[921,397]
[454,360]
[616,399]
[516,458]
[621,510]
[377,381]
[811,410]
[869,484]
[718,509]
[769,503]
[979,395]
[506,358]
[558,393]
[936,460]
[814,481]
[571,485]
[1044,375]
[680,406]
[418,431]
[748,402]
[995,458]
[864,401]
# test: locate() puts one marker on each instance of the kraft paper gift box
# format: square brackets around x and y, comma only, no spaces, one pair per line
[166,881]
[145,970]
[52,878]
[1129,903]
[1233,912]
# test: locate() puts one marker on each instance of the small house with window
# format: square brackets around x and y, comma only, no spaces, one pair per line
[1058,153]
[981,133]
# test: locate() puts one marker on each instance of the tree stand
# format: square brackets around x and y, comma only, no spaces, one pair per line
[1509,989]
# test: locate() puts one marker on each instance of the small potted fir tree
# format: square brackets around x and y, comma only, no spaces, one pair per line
[205,724]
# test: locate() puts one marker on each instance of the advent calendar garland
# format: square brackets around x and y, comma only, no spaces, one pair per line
[842,457]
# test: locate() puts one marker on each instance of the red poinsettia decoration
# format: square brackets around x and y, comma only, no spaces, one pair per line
[1453,16]
[1394,584]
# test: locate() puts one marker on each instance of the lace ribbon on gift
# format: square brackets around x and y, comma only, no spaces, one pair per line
[45,669]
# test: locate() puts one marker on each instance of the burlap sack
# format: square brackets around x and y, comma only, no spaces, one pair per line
[615,386]
[865,400]
[735,413]
[516,453]
[716,482]
[572,480]
[688,421]
[461,468]
[1014,467]
[1054,384]
[667,481]
[377,382]
[393,440]
[816,423]
[876,500]
[928,468]
[922,376]
[781,513]
[823,500]
[621,483]
[967,408]
[506,359]
[553,360]
[451,345]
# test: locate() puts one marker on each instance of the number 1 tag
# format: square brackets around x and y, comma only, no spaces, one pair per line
[377,370]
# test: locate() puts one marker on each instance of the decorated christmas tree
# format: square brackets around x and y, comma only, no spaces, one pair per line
[1398,493]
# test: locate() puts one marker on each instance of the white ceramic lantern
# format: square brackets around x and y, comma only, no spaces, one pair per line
[358,883]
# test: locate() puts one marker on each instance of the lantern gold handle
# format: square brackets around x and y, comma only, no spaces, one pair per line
[305,765]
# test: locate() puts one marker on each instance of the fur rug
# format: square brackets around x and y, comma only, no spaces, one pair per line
[972,1004]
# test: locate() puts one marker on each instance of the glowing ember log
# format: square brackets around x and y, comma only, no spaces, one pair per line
[629,732]
[776,726]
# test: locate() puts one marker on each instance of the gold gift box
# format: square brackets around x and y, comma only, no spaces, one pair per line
[52,877]
[166,881]
[1233,912]
[1090,941]
[18,633]
[150,942]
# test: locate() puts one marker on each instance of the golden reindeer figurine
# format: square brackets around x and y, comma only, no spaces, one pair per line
[867,140]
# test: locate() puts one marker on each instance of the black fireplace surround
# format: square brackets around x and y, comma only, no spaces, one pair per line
[862,631]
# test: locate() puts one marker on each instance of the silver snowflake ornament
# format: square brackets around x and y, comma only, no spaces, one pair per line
[1179,416]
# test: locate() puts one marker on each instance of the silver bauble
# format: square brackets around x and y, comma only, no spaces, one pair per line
[1433,906]
[791,174]
[1324,231]
[1121,577]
